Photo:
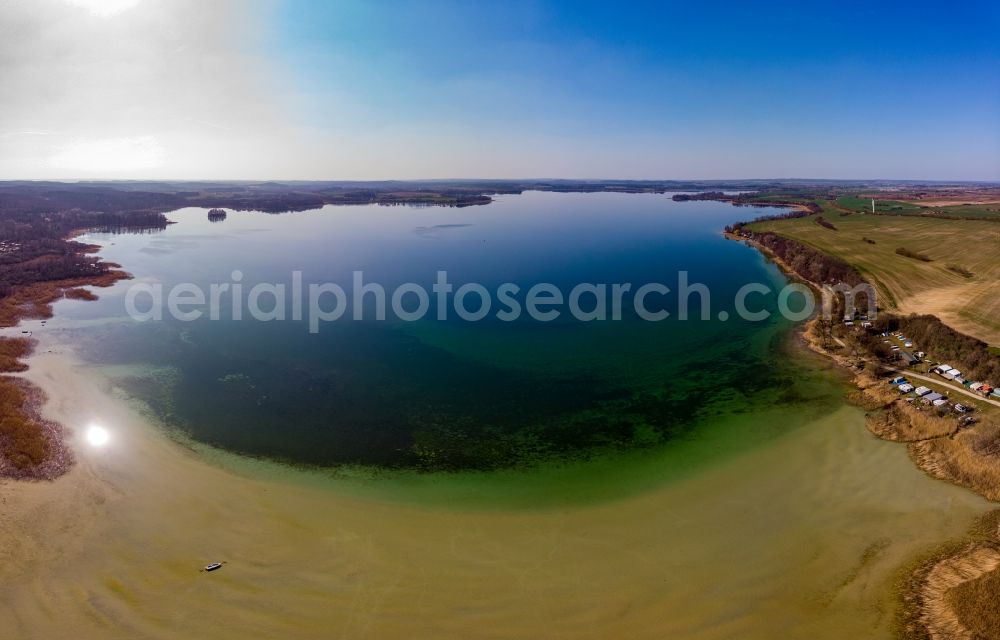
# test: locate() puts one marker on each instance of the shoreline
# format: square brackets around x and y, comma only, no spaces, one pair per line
[928,610]
[31,447]
[304,557]
[145,505]
[871,397]
[34,302]
[95,492]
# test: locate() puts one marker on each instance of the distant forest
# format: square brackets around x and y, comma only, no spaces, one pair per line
[37,218]
[34,244]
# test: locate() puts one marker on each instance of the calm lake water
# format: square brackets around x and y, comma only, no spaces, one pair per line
[454,394]
[683,479]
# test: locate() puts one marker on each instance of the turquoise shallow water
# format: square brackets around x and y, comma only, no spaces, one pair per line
[457,395]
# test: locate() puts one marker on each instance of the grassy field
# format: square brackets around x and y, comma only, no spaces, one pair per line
[864,205]
[969,304]
[899,207]
[965,211]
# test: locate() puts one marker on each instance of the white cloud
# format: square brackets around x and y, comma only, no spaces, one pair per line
[114,155]
[104,8]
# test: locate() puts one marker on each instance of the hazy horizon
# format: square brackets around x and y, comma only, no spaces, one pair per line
[299,89]
[512,180]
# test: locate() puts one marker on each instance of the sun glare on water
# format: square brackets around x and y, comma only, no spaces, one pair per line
[97,436]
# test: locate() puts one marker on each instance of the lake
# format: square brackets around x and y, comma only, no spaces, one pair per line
[443,393]
[706,479]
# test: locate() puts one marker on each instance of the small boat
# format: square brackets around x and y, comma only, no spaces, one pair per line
[213,566]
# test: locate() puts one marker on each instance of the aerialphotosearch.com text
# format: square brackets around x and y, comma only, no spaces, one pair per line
[319,303]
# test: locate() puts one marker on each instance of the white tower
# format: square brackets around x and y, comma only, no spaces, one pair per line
[873,205]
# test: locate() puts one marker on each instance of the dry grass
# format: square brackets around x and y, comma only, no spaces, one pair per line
[890,417]
[970,459]
[35,300]
[952,591]
[877,388]
[901,422]
[24,439]
[861,399]
[976,604]
[11,352]
[940,618]
[78,293]
[26,442]
[969,304]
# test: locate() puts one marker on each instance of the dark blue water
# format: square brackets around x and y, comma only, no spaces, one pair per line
[446,394]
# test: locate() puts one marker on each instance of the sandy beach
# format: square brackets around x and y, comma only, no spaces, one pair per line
[801,537]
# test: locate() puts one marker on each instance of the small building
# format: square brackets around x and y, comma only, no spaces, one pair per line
[955,372]
[940,402]
[921,391]
[976,386]
[943,368]
[908,357]
[932,397]
[905,388]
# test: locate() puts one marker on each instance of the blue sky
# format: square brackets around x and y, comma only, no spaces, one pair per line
[358,90]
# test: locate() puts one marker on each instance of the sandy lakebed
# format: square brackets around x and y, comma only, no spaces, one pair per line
[803,537]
